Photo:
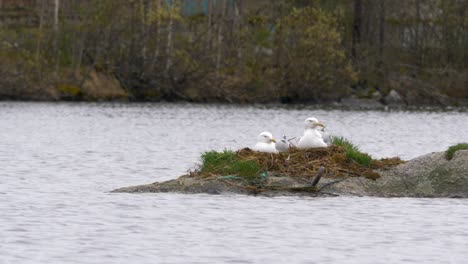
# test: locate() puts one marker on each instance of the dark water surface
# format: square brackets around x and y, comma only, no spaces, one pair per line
[58,162]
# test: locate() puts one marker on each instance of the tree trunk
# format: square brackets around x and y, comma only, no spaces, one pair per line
[381,62]
[237,26]
[80,55]
[278,36]
[209,34]
[157,31]
[357,26]
[368,14]
[169,39]
[56,34]
[158,26]
[143,30]
[382,29]
[447,31]
[39,37]
[417,47]
[220,36]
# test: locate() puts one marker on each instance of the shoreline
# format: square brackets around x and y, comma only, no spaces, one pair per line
[269,105]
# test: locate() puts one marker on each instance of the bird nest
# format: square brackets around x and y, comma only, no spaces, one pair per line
[306,163]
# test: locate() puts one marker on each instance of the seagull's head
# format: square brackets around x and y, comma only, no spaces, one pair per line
[266,137]
[312,123]
[284,139]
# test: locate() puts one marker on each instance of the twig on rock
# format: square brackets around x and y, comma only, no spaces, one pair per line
[318,176]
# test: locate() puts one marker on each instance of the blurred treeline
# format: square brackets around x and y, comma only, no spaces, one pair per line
[240,50]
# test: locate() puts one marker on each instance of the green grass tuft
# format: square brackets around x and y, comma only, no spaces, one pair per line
[213,161]
[352,151]
[227,163]
[451,150]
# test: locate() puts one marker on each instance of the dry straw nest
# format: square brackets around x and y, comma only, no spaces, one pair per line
[305,163]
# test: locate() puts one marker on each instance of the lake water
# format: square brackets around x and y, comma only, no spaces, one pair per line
[58,163]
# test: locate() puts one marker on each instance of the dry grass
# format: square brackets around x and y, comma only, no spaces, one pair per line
[305,163]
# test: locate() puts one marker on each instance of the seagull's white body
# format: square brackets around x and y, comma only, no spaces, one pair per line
[265,147]
[282,145]
[312,137]
[265,143]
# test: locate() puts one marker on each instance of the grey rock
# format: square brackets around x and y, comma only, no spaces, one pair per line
[393,98]
[377,95]
[185,184]
[417,92]
[431,175]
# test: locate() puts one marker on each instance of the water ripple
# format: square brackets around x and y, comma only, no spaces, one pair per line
[58,162]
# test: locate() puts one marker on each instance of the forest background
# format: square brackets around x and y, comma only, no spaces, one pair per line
[412,52]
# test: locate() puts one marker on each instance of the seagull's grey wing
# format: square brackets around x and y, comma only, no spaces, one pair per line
[282,146]
[327,137]
[294,141]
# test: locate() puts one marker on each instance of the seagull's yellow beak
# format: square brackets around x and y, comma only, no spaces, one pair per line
[273,140]
[320,125]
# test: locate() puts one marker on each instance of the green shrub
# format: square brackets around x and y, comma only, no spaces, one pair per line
[227,163]
[352,151]
[451,150]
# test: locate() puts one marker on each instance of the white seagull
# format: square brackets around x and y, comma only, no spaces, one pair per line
[282,145]
[265,143]
[312,137]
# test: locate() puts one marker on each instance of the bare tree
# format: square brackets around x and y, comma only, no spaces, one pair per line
[80,55]
[169,37]
[236,26]
[40,11]
[56,33]
[158,25]
[143,29]
[381,28]
[156,34]
[417,41]
[357,26]
[209,26]
[220,36]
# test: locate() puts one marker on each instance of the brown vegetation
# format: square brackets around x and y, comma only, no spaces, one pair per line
[305,163]
[239,50]
[297,163]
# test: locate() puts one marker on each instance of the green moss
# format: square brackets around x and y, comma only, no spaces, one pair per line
[227,163]
[70,90]
[451,150]
[352,151]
